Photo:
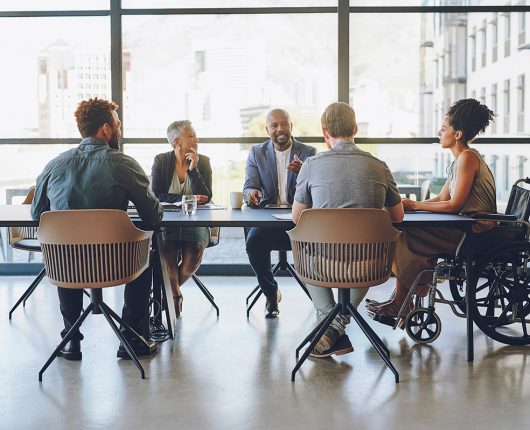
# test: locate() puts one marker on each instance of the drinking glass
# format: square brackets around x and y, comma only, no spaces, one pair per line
[189,205]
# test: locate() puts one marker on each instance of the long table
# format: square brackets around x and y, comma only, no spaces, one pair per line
[19,216]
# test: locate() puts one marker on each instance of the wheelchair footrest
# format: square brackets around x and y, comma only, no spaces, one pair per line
[383,319]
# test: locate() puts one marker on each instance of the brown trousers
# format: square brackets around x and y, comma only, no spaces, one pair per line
[417,249]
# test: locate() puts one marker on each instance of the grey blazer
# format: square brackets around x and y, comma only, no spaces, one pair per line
[260,172]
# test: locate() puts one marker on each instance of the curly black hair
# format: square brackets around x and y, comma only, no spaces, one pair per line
[91,114]
[470,117]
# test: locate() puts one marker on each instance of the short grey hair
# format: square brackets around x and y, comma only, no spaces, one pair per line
[174,131]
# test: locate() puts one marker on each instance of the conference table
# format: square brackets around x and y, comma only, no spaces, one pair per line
[19,216]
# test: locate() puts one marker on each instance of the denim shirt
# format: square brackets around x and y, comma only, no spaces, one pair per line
[94,176]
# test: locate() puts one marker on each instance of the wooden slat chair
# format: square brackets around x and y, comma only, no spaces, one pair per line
[94,248]
[343,248]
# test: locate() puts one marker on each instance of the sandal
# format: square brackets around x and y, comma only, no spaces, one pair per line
[177,302]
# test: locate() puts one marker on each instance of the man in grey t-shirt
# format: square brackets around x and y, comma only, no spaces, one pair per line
[343,177]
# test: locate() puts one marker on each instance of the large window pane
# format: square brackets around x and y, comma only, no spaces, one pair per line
[20,5]
[433,63]
[223,72]
[55,62]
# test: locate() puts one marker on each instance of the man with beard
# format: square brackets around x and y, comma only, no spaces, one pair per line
[270,178]
[95,175]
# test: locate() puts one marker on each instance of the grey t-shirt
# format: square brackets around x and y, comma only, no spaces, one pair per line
[346,177]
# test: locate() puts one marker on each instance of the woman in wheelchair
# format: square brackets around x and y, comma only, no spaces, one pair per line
[470,188]
[179,172]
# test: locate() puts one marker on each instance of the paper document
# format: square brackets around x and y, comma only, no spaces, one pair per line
[211,206]
[285,216]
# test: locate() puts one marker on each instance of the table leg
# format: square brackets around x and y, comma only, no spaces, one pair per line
[166,284]
[469,314]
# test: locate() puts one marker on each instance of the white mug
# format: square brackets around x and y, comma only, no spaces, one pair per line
[236,199]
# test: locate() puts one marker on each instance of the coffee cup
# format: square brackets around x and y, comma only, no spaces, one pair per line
[236,199]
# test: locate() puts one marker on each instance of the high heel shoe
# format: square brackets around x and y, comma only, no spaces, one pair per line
[177,302]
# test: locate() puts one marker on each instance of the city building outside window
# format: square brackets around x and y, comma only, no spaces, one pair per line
[522,28]
[520,103]
[483,43]
[507,34]
[493,107]
[506,102]
[494,38]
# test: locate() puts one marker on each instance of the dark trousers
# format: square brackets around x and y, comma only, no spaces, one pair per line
[135,309]
[260,242]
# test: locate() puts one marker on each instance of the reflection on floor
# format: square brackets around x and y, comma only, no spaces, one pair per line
[234,373]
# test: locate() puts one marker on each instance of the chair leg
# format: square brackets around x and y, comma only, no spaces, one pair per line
[108,313]
[293,273]
[203,288]
[34,285]
[374,339]
[206,292]
[311,335]
[66,338]
[255,290]
[256,297]
[28,292]
[366,328]
[322,326]
[258,291]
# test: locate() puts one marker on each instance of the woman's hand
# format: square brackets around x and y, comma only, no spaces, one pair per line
[193,159]
[201,199]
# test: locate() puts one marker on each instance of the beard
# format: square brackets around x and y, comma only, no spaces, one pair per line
[114,141]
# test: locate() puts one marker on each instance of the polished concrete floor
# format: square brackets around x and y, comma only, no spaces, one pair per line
[234,373]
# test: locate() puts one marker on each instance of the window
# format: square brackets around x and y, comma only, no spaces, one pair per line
[483,44]
[520,103]
[483,95]
[493,107]
[474,50]
[506,102]
[507,34]
[222,82]
[44,83]
[522,28]
[494,38]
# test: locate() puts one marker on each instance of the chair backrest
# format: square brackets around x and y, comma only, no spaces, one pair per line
[519,201]
[92,248]
[344,248]
[17,234]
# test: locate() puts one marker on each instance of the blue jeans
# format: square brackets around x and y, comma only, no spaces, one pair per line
[260,242]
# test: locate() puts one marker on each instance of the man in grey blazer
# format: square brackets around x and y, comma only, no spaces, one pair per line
[270,178]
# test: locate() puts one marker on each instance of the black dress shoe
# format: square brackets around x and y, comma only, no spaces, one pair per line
[139,348]
[71,351]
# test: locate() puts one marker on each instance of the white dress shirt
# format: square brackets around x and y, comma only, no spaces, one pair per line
[282,161]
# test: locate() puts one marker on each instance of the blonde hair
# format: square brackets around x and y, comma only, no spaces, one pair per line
[339,120]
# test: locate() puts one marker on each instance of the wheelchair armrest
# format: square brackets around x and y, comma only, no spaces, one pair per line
[483,216]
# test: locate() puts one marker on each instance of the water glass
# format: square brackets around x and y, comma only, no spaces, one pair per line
[189,205]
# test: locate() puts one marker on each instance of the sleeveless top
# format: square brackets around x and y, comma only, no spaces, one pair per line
[482,196]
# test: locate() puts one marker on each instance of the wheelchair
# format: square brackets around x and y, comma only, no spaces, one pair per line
[499,281]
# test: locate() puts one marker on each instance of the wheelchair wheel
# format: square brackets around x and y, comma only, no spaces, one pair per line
[423,325]
[500,294]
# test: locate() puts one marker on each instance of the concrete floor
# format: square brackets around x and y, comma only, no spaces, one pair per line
[234,373]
